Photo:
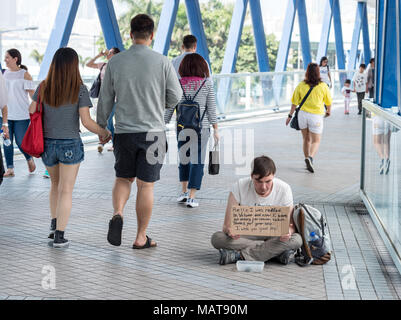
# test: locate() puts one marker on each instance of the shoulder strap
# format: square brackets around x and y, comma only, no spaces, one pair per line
[304,99]
[183,91]
[196,93]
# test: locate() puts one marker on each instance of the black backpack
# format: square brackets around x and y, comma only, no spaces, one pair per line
[188,112]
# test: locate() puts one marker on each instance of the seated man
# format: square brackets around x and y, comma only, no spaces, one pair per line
[260,189]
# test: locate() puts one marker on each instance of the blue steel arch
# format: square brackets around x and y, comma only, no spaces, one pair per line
[64,21]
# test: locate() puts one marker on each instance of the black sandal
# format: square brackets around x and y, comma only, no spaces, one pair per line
[115,230]
[148,244]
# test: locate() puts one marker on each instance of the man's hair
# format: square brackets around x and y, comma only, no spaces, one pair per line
[372,60]
[142,26]
[362,65]
[262,167]
[348,81]
[189,41]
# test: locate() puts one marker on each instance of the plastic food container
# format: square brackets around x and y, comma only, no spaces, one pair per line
[250,266]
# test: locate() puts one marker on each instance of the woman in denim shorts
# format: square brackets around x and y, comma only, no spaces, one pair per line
[65,99]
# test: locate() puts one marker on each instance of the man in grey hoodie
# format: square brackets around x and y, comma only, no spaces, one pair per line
[144,83]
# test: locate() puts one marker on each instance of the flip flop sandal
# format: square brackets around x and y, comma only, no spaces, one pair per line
[115,230]
[148,244]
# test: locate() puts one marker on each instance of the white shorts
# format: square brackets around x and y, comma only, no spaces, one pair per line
[380,126]
[311,121]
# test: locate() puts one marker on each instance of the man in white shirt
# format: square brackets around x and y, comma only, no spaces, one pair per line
[260,189]
[189,45]
[360,82]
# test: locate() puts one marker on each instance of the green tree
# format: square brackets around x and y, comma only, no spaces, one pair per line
[37,56]
[216,21]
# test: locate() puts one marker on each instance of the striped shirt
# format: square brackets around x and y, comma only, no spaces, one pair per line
[205,97]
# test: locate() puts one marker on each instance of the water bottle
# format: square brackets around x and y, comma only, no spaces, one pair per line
[314,239]
[6,142]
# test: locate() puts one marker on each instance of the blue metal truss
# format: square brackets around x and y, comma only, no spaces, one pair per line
[387,60]
[361,22]
[166,26]
[108,21]
[332,12]
[233,42]
[64,21]
[167,20]
[60,34]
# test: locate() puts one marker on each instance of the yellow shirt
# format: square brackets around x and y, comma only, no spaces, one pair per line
[319,97]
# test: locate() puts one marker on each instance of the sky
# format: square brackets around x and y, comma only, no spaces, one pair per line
[86,29]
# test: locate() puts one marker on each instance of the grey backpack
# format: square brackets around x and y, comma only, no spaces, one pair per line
[308,219]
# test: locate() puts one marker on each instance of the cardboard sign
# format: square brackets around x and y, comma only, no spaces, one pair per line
[270,221]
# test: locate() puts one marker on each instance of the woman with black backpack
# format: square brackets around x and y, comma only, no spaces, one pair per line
[195,113]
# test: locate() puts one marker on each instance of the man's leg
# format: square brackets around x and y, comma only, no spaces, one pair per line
[271,248]
[222,241]
[144,206]
[121,193]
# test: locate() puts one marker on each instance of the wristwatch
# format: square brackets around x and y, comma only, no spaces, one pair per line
[4,125]
[290,116]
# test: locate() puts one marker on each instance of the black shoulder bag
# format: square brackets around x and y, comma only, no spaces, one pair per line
[294,121]
[95,89]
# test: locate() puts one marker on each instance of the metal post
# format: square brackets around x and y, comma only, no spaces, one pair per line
[304,32]
[259,34]
[108,21]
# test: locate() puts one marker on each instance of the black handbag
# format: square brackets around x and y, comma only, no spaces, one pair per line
[294,122]
[95,89]
[214,165]
[1,167]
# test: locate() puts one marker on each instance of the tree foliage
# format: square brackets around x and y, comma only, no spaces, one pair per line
[216,21]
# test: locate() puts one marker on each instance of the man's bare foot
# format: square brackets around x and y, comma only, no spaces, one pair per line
[31,165]
[9,173]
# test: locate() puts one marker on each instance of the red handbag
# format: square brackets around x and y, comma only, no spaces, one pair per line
[33,142]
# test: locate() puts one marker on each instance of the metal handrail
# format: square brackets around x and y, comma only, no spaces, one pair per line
[388,116]
[245,74]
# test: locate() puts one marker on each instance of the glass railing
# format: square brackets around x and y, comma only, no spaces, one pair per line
[381,173]
[247,92]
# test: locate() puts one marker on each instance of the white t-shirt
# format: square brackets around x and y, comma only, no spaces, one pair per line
[324,74]
[18,101]
[245,194]
[360,80]
[3,92]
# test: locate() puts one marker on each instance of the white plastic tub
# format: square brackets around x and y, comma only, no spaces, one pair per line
[250,266]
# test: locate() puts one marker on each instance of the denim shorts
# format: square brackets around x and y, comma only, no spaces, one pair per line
[65,151]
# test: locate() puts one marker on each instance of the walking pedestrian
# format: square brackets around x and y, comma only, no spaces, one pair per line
[19,87]
[189,45]
[108,54]
[325,71]
[65,100]
[192,144]
[310,116]
[360,81]
[145,83]
[4,123]
[371,78]
[346,92]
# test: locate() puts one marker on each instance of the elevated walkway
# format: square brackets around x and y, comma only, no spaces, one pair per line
[185,265]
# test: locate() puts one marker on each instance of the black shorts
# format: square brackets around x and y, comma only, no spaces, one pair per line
[138,158]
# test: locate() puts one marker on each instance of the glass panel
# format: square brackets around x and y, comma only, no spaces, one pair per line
[383,173]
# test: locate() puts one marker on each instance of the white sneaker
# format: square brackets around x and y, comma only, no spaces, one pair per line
[192,203]
[100,148]
[183,197]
